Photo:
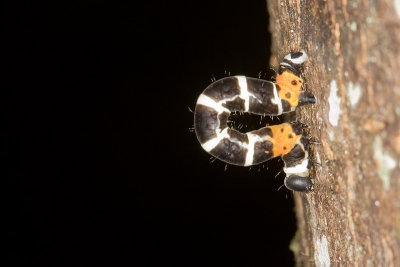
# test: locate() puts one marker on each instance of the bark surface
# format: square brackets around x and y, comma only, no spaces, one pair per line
[353,217]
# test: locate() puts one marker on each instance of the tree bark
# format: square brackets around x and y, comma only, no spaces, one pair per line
[353,216]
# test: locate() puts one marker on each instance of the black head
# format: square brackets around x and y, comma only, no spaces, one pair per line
[298,183]
[306,98]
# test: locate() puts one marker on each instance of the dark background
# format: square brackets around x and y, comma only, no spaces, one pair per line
[101,164]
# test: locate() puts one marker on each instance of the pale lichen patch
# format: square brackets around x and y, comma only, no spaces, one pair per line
[321,252]
[334,104]
[385,163]
[353,26]
[397,7]
[317,158]
[354,92]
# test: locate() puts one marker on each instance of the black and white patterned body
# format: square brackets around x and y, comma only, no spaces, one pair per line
[214,107]
[256,96]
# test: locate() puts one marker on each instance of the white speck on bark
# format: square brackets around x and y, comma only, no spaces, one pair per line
[354,92]
[397,7]
[334,104]
[384,161]
[321,252]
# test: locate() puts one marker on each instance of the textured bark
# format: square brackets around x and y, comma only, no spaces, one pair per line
[353,217]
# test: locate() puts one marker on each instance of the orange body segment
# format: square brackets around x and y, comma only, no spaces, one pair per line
[284,139]
[290,87]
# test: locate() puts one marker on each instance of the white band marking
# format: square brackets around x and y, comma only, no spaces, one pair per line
[297,60]
[250,149]
[244,93]
[212,143]
[207,101]
[300,169]
[277,101]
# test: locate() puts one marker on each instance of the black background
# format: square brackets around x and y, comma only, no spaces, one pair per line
[101,164]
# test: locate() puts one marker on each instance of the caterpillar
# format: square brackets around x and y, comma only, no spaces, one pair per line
[260,97]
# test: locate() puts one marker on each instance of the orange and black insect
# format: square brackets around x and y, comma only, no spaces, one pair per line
[261,97]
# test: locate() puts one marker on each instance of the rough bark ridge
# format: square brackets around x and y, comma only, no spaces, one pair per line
[353,217]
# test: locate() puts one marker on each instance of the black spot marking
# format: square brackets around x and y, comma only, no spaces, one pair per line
[284,148]
[294,82]
[290,136]
[288,95]
[282,130]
